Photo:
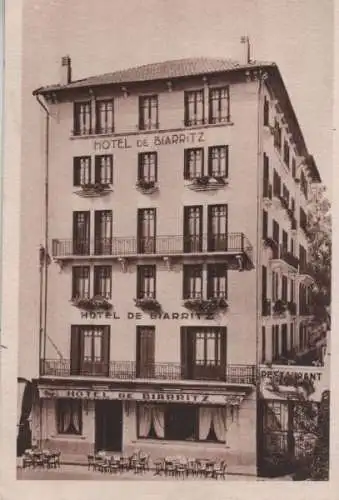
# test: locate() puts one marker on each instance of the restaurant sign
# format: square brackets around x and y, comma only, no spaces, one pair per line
[145,396]
[284,381]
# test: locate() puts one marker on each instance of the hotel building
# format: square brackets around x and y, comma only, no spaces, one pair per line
[174,259]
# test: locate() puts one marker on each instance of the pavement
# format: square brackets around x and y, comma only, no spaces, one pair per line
[80,472]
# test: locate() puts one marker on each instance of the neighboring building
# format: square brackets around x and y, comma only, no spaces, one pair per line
[176,211]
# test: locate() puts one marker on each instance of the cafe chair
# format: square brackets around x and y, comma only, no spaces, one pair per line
[27,460]
[220,470]
[170,467]
[181,469]
[159,467]
[124,463]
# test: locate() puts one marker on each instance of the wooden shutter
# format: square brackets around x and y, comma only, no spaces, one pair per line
[223,345]
[264,223]
[75,353]
[106,349]
[184,348]
[264,282]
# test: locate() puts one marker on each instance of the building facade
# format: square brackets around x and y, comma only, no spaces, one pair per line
[175,257]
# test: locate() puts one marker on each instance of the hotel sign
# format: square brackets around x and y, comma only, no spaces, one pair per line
[145,396]
[148,141]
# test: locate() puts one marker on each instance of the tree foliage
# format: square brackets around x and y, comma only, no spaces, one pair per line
[320,249]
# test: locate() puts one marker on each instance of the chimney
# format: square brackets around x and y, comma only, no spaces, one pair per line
[245,41]
[66,70]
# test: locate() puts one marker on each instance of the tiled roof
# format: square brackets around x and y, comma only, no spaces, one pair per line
[159,71]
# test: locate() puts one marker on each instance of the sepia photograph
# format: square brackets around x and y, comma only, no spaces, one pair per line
[175,229]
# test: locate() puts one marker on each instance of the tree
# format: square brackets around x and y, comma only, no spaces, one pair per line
[320,250]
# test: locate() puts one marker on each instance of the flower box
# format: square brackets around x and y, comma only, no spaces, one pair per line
[147,304]
[292,308]
[271,243]
[146,186]
[279,307]
[206,306]
[92,304]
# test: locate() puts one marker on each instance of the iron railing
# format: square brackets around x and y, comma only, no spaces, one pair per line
[282,254]
[130,370]
[229,243]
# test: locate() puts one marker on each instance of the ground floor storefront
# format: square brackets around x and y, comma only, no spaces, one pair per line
[198,422]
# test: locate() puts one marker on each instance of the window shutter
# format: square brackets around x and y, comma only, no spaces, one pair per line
[75,354]
[184,283]
[223,346]
[76,176]
[184,351]
[227,159]
[140,166]
[264,224]
[106,348]
[210,273]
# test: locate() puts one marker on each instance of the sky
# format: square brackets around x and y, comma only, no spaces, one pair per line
[106,35]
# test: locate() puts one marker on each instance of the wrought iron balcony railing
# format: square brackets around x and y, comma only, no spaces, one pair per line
[230,243]
[130,370]
[280,253]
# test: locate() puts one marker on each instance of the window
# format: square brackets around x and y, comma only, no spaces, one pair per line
[194,163]
[264,282]
[294,168]
[276,184]
[302,257]
[90,350]
[263,344]
[303,184]
[148,112]
[203,353]
[81,170]
[103,281]
[104,116]
[264,224]
[146,282]
[82,118]
[275,286]
[104,169]
[194,108]
[284,347]
[284,288]
[145,351]
[192,286]
[81,233]
[103,232]
[286,194]
[291,336]
[146,230]
[303,219]
[193,229]
[69,416]
[286,154]
[267,190]
[266,112]
[148,167]
[291,290]
[277,135]
[80,282]
[181,422]
[219,105]
[276,231]
[216,281]
[218,161]
[217,228]
[293,205]
[284,241]
[275,342]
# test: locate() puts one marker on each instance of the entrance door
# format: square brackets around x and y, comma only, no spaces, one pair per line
[108,425]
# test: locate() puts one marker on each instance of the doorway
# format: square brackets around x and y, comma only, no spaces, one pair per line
[108,425]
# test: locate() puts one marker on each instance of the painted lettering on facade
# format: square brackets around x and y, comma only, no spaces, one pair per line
[140,315]
[148,141]
[164,396]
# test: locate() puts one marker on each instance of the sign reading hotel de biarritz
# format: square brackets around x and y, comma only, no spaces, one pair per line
[146,396]
[148,141]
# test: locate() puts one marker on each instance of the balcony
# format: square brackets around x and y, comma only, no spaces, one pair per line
[305,274]
[235,248]
[93,190]
[129,371]
[284,260]
[207,183]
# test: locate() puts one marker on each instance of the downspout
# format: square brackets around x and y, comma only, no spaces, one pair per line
[261,78]
[44,261]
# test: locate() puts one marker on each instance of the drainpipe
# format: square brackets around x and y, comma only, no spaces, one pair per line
[261,78]
[45,256]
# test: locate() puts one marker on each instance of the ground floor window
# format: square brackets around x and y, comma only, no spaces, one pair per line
[182,422]
[69,416]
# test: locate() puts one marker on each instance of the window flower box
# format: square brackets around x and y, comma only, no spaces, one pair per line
[148,304]
[92,189]
[206,306]
[146,186]
[207,183]
[92,304]
[292,308]
[279,307]
[270,242]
